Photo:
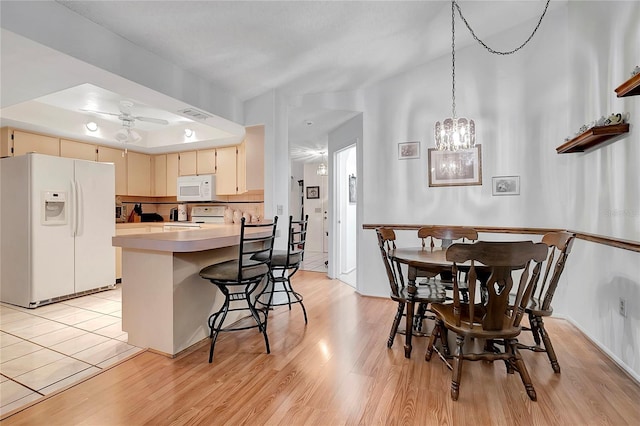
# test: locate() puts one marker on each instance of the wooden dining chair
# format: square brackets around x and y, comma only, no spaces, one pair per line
[447,236]
[495,319]
[399,292]
[539,305]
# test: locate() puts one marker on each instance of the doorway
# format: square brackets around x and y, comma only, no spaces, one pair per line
[345,198]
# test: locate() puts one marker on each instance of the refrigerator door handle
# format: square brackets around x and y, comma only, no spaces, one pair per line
[73,209]
[79,212]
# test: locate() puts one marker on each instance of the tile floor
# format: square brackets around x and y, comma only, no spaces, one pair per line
[314,261]
[50,347]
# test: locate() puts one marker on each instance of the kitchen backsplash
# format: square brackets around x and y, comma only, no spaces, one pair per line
[251,202]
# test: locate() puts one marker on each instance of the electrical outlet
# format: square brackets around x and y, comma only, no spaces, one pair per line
[622,307]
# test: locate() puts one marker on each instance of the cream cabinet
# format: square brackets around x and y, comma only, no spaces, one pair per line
[254,140]
[159,175]
[138,174]
[172,174]
[241,171]
[111,155]
[24,142]
[188,163]
[226,171]
[206,161]
[81,150]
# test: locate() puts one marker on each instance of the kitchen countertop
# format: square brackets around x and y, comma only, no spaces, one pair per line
[209,236]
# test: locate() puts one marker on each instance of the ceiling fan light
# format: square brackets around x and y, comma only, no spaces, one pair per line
[92,126]
[134,136]
[121,135]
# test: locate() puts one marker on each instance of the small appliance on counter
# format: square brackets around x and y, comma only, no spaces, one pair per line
[207,214]
[173,215]
[182,212]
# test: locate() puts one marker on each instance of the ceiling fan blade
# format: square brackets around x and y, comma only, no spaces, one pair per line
[99,112]
[152,120]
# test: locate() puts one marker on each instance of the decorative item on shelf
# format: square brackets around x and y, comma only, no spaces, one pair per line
[247,217]
[455,133]
[615,118]
[635,71]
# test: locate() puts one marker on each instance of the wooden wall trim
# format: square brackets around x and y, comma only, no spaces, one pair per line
[594,238]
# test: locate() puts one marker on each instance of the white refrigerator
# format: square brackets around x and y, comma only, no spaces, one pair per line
[56,225]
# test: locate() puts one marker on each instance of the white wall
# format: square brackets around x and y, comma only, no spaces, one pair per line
[524,106]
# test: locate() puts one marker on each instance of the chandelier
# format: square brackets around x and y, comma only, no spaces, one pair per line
[322,168]
[455,133]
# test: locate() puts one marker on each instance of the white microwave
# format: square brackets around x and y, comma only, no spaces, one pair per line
[196,188]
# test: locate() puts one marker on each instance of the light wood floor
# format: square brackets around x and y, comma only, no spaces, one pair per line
[338,370]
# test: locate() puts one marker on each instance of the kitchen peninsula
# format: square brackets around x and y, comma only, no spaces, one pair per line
[165,303]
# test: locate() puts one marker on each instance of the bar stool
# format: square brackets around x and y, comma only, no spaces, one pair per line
[285,263]
[239,278]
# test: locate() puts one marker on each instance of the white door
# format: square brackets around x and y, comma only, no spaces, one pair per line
[51,242]
[345,199]
[94,254]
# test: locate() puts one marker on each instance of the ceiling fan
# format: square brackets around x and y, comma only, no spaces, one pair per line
[127,134]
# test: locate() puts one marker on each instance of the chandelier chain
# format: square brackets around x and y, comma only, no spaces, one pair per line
[497,52]
[453,60]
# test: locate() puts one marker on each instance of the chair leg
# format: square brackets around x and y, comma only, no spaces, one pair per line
[435,333]
[551,353]
[457,369]
[215,329]
[512,346]
[535,329]
[262,326]
[297,296]
[396,323]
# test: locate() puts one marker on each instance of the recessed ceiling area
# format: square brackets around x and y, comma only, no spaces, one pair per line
[66,113]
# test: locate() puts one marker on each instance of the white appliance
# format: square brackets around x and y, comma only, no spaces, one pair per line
[208,214]
[56,222]
[196,188]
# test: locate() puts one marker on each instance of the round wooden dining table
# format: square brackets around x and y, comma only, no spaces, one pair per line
[421,262]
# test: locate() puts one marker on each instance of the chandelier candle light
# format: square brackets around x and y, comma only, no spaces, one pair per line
[460,133]
[454,133]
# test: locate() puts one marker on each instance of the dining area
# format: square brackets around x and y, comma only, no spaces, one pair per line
[472,298]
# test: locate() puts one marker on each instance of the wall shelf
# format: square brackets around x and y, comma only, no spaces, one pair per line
[630,87]
[593,137]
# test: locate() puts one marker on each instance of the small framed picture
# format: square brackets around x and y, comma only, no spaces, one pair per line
[506,185]
[408,150]
[313,192]
[352,189]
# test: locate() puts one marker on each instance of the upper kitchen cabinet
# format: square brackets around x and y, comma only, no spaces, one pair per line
[254,140]
[226,170]
[172,174]
[21,142]
[111,155]
[81,150]
[159,175]
[206,161]
[138,174]
[188,163]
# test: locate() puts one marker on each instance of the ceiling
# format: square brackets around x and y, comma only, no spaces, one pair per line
[298,47]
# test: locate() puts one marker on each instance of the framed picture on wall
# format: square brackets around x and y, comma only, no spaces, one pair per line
[455,168]
[313,192]
[408,150]
[505,185]
[352,189]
